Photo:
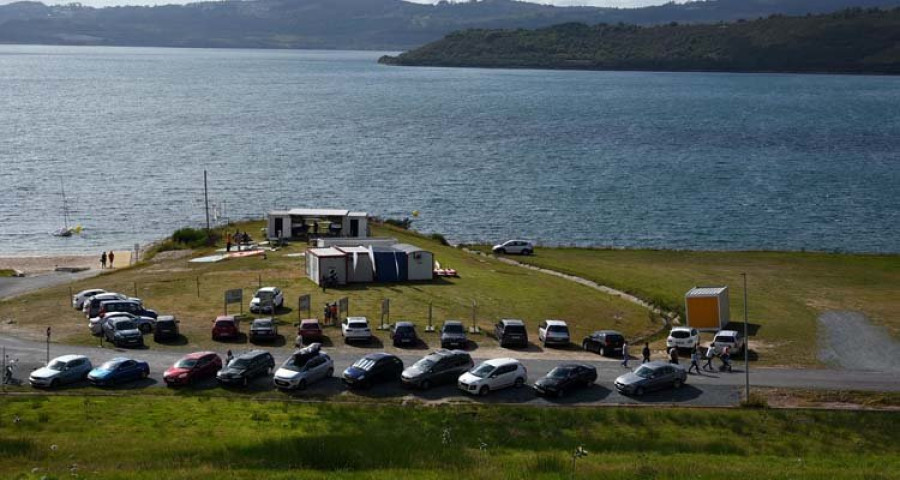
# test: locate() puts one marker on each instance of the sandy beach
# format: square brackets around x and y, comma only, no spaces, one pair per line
[47,263]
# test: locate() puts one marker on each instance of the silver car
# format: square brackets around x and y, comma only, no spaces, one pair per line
[79,298]
[61,370]
[651,376]
[304,367]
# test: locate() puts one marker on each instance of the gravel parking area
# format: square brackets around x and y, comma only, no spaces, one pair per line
[849,341]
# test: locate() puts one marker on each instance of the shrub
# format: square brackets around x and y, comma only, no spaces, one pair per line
[440,238]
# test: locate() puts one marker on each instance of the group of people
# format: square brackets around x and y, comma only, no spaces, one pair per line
[238,239]
[711,353]
[107,258]
[332,315]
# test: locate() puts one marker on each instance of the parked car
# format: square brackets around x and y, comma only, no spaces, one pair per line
[565,378]
[226,327]
[495,374]
[553,332]
[437,368]
[193,367]
[604,342]
[133,307]
[728,338]
[245,367]
[305,367]
[263,330]
[511,333]
[79,298]
[122,332]
[453,334]
[96,324]
[356,329]
[404,333]
[166,329]
[310,330]
[373,368]
[651,376]
[683,337]
[118,370]
[514,247]
[61,370]
[92,307]
[267,300]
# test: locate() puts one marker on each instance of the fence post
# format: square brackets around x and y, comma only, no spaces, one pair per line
[198,286]
[135,289]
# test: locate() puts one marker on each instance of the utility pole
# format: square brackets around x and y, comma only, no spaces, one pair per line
[206,199]
[746,345]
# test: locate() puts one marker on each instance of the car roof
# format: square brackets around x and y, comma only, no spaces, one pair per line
[437,354]
[262,320]
[307,321]
[195,355]
[229,318]
[497,362]
[727,332]
[267,289]
[118,300]
[251,354]
[453,322]
[69,358]
[404,324]
[688,329]
[378,356]
[165,318]
[357,319]
[107,296]
[614,332]
[511,321]
[119,319]
[92,290]
[555,322]
[658,364]
[573,365]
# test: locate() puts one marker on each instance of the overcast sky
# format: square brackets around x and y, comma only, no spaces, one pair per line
[599,3]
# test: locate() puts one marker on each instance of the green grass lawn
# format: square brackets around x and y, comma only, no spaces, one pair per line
[499,290]
[199,437]
[787,290]
[5,272]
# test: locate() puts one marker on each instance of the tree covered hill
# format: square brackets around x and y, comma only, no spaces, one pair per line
[347,24]
[849,41]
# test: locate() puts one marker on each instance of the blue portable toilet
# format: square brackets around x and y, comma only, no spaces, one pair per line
[390,265]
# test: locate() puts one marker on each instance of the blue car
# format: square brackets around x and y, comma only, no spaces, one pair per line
[119,370]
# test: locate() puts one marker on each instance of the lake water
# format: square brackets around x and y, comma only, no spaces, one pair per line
[662,160]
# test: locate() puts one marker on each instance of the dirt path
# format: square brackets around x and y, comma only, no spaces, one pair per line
[849,341]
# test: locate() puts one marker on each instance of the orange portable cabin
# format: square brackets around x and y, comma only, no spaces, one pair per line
[707,308]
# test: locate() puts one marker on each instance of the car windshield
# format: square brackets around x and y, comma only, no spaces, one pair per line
[724,339]
[259,324]
[681,334]
[296,362]
[404,329]
[364,364]
[310,326]
[57,365]
[424,364]
[357,325]
[224,323]
[483,370]
[239,363]
[186,363]
[644,372]
[515,329]
[125,326]
[263,296]
[110,365]
[454,328]
[558,329]
[560,372]
[615,338]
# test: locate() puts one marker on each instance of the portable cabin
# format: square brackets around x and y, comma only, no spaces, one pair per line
[321,262]
[308,223]
[419,262]
[360,264]
[390,264]
[707,308]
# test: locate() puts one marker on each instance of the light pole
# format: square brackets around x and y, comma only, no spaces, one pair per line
[746,345]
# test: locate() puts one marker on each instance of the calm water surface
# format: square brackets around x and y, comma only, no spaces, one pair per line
[664,160]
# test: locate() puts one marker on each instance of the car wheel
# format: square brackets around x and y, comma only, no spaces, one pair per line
[329,373]
[146,328]
[483,391]
[526,252]
[639,392]
[246,381]
[145,374]
[54,383]
[677,383]
[426,385]
[602,351]
[519,382]
[302,385]
[585,346]
[501,251]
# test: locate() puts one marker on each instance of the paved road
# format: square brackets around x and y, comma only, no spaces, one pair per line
[11,287]
[709,389]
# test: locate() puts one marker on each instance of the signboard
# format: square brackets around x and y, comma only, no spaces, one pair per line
[344,306]
[385,310]
[234,296]
[304,302]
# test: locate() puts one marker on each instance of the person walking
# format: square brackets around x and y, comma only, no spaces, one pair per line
[103,260]
[673,356]
[112,258]
[710,355]
[726,359]
[334,312]
[228,357]
[624,354]
[327,313]
[695,361]
[645,353]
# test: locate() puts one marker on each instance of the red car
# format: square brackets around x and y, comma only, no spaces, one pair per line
[193,367]
[310,330]
[225,327]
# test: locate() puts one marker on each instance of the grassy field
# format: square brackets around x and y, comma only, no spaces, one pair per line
[194,293]
[5,272]
[196,437]
[787,290]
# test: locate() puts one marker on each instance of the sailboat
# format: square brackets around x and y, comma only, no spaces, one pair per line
[65,230]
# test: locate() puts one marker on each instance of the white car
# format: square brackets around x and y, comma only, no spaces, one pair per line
[514,247]
[728,338]
[553,332]
[356,329]
[267,300]
[79,298]
[683,337]
[495,374]
[304,367]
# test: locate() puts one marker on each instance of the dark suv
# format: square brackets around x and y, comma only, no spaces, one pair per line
[166,329]
[245,367]
[437,368]
[128,306]
[604,342]
[373,368]
[511,333]
[404,333]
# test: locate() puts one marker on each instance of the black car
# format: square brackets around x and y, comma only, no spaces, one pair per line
[453,334]
[604,342]
[565,378]
[404,333]
[373,368]
[263,329]
[166,329]
[511,333]
[245,367]
[437,368]
[128,306]
[122,332]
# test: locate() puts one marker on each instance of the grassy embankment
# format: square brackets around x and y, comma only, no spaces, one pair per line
[180,438]
[171,287]
[4,272]
[787,290]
